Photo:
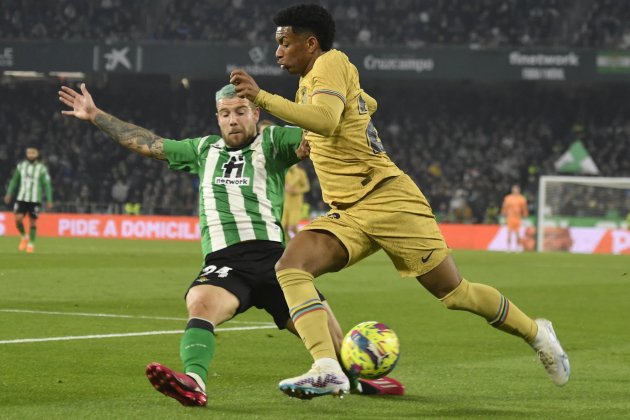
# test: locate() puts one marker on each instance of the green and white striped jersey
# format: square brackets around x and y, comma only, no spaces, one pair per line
[241,192]
[29,179]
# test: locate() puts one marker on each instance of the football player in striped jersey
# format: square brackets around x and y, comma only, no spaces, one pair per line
[241,194]
[31,179]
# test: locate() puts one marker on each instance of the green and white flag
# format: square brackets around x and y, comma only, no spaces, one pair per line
[576,160]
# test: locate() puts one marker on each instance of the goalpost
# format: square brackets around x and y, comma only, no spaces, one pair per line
[566,202]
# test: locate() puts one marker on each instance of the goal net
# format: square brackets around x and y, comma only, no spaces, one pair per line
[575,213]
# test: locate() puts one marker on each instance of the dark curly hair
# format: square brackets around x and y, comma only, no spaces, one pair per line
[309,18]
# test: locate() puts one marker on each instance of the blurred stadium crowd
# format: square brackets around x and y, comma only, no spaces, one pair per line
[478,24]
[464,143]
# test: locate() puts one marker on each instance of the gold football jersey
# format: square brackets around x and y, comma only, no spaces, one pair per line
[351,161]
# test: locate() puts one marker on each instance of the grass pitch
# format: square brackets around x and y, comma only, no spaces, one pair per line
[89,365]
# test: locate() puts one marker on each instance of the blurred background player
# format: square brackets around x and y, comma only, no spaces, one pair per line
[241,236]
[295,186]
[374,205]
[30,179]
[514,209]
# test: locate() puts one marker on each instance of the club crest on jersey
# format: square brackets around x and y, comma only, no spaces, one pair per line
[233,172]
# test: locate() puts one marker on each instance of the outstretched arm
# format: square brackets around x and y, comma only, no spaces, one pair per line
[321,116]
[134,138]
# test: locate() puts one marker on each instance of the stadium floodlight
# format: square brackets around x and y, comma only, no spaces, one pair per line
[24,74]
[566,202]
[68,75]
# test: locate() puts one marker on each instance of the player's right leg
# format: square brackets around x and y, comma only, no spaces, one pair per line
[309,254]
[445,283]
[19,224]
[208,306]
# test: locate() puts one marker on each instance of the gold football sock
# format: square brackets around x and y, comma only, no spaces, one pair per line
[487,302]
[307,312]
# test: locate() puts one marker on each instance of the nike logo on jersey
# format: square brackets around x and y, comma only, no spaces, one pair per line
[425,259]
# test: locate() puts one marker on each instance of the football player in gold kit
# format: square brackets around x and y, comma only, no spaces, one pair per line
[295,186]
[374,205]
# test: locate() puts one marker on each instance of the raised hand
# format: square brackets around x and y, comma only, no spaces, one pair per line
[245,84]
[82,103]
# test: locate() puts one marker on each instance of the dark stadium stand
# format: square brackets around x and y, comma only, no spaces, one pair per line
[413,23]
[465,143]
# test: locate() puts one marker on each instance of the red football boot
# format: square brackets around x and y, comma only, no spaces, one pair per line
[176,385]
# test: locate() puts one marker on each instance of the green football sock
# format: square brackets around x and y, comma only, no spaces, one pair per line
[20,227]
[196,350]
[33,234]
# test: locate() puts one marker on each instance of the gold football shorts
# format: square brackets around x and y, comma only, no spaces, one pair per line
[395,217]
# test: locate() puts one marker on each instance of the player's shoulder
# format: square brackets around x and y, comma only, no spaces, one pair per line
[196,141]
[273,132]
[210,139]
[332,57]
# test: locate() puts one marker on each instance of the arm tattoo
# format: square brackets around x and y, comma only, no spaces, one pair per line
[137,139]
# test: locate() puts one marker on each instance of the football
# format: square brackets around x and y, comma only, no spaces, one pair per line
[370,350]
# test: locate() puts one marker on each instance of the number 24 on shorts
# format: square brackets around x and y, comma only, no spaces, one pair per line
[212,269]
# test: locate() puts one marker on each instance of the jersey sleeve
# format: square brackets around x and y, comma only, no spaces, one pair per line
[285,142]
[15,181]
[524,207]
[183,155]
[330,77]
[323,114]
[45,180]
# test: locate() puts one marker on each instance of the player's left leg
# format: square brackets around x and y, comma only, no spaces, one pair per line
[514,240]
[412,239]
[30,247]
[445,283]
[517,240]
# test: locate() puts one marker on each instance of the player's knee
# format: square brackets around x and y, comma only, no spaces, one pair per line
[456,298]
[198,308]
[283,264]
[289,261]
[212,303]
[279,266]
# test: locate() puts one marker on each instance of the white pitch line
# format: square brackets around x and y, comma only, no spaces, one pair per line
[167,318]
[137,334]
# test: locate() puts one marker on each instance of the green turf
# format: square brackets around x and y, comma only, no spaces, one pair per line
[452,364]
